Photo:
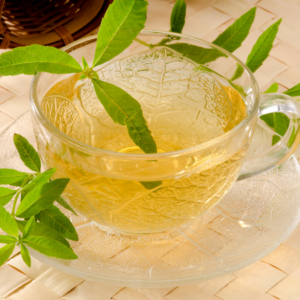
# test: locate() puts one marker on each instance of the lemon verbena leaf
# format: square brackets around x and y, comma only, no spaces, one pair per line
[6,252]
[294,91]
[122,22]
[37,58]
[27,153]
[234,35]
[8,223]
[6,195]
[25,255]
[49,247]
[262,47]
[55,219]
[125,110]
[178,16]
[41,197]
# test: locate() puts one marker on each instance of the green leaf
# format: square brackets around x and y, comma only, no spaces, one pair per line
[197,54]
[178,16]
[84,64]
[41,197]
[294,91]
[82,76]
[262,47]
[122,22]
[238,72]
[95,75]
[125,110]
[281,123]
[29,227]
[27,153]
[49,247]
[5,253]
[6,239]
[41,229]
[272,89]
[149,185]
[65,204]
[25,255]
[268,119]
[8,223]
[293,137]
[39,180]
[36,58]
[275,139]
[234,35]
[55,219]
[10,176]
[6,195]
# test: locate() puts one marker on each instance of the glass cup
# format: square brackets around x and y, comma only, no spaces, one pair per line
[195,166]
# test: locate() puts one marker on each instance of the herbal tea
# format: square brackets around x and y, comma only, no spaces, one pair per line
[184,107]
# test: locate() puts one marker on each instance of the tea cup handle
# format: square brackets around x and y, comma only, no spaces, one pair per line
[281,151]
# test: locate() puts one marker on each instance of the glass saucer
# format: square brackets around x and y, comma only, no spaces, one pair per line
[248,223]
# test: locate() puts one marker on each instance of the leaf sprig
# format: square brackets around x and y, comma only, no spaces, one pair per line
[120,26]
[231,39]
[123,21]
[36,222]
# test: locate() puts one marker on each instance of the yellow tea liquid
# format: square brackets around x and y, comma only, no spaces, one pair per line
[183,106]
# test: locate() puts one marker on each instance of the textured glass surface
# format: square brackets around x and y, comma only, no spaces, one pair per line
[184,106]
[249,222]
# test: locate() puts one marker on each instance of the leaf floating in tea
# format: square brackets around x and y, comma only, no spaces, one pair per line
[262,47]
[27,153]
[149,185]
[178,16]
[125,110]
[122,22]
[37,58]
[232,38]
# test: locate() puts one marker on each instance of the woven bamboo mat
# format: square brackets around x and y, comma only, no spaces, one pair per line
[277,276]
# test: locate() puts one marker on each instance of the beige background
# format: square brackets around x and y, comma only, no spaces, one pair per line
[277,276]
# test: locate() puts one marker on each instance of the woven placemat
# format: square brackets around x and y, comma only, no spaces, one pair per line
[277,276]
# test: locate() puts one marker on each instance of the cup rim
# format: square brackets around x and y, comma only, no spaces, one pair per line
[36,109]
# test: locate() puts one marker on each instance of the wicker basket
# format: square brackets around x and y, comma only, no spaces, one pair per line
[48,22]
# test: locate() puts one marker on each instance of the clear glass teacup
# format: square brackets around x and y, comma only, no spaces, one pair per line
[202,122]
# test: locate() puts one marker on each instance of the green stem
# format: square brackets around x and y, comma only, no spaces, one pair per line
[26,180]
[161,43]
[143,43]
